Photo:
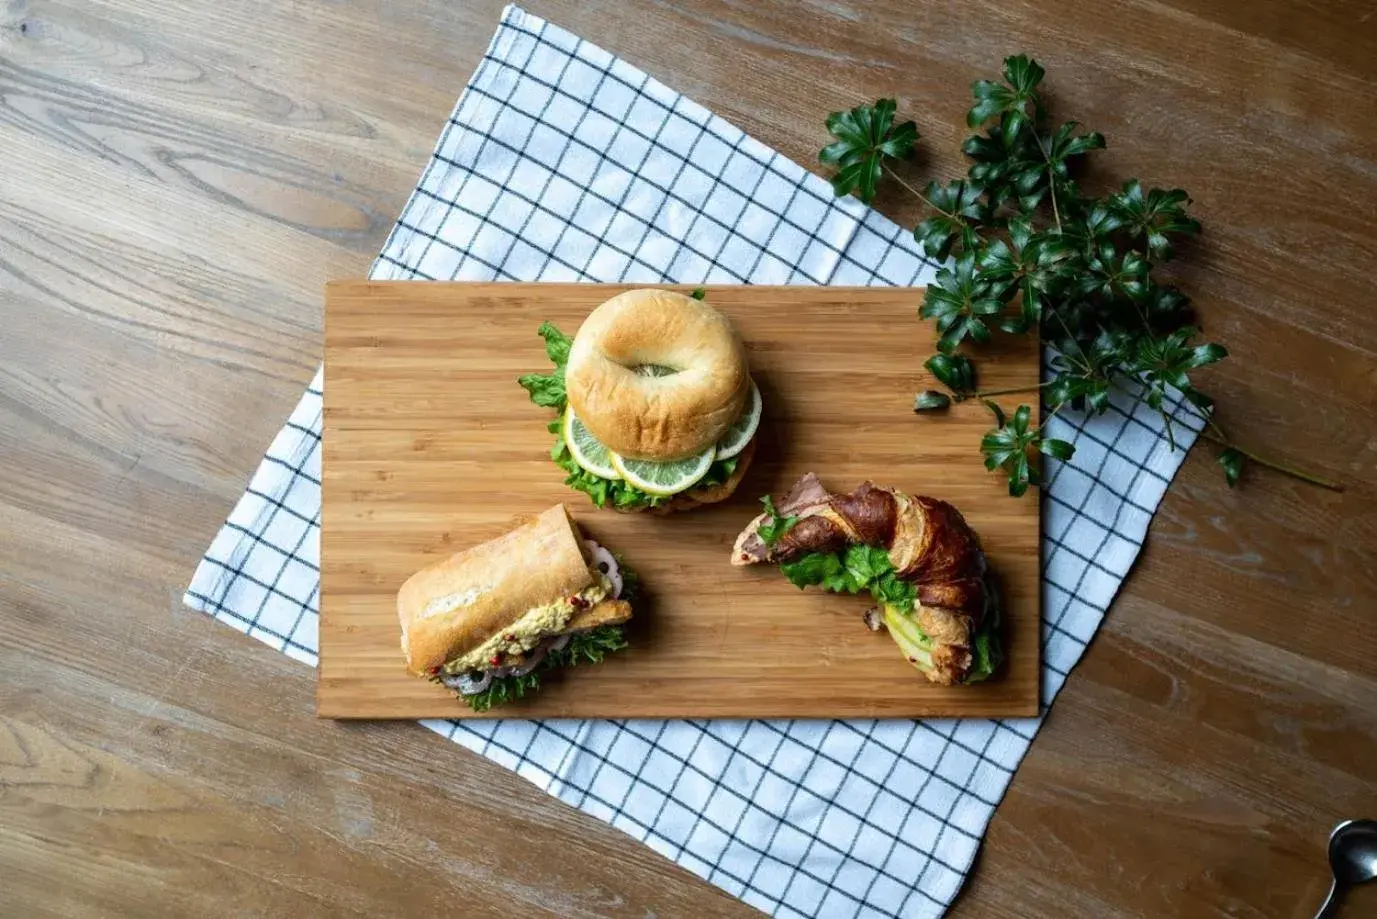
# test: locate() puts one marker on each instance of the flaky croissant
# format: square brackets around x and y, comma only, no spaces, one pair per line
[929,544]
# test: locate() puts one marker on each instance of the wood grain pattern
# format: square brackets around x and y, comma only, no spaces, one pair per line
[159,316]
[431,447]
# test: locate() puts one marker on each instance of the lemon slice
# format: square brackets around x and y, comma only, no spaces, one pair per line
[586,449]
[740,434]
[665,479]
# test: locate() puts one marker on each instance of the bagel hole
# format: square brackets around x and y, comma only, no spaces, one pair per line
[654,370]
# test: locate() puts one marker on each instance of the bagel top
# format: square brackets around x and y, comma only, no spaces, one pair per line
[658,418]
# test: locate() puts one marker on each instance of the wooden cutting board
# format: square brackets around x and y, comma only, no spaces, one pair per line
[431,447]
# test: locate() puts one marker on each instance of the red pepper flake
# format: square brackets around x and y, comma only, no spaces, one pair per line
[496,660]
[578,602]
[434,671]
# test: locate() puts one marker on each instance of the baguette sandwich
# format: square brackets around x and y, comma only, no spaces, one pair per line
[489,621]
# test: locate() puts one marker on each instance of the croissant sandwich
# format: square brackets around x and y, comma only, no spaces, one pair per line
[489,621]
[916,556]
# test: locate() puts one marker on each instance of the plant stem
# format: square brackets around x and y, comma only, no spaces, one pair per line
[918,194]
[1085,364]
[1213,432]
[1050,415]
[1052,187]
[986,393]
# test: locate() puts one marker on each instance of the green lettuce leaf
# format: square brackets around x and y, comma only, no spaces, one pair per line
[774,526]
[987,651]
[859,568]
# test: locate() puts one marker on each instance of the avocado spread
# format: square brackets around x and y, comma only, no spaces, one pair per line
[535,624]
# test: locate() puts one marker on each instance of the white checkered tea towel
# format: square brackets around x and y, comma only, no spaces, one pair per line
[563,163]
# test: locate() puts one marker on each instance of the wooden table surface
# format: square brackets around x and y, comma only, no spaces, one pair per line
[179,177]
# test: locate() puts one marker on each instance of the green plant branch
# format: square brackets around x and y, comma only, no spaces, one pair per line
[986,393]
[916,193]
[1050,415]
[1215,434]
[1077,256]
[1285,469]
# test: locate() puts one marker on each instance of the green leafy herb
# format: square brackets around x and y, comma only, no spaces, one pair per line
[547,390]
[858,568]
[865,137]
[1033,253]
[699,293]
[774,526]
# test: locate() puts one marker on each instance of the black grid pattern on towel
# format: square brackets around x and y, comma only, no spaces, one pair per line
[561,162]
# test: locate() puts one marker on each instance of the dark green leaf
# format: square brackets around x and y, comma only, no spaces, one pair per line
[1079,391]
[865,137]
[1065,143]
[1023,73]
[961,207]
[996,410]
[699,293]
[1166,362]
[1233,462]
[1154,217]
[1059,449]
[1007,446]
[930,400]
[1166,307]
[953,371]
[1110,275]
[999,266]
[957,299]
[1010,99]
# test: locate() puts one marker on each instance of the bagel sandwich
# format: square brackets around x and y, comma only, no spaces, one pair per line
[916,556]
[488,622]
[657,409]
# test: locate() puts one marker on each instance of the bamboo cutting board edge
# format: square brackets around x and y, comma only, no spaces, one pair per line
[382,391]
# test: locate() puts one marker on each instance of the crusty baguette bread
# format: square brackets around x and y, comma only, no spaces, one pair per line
[489,586]
[657,418]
